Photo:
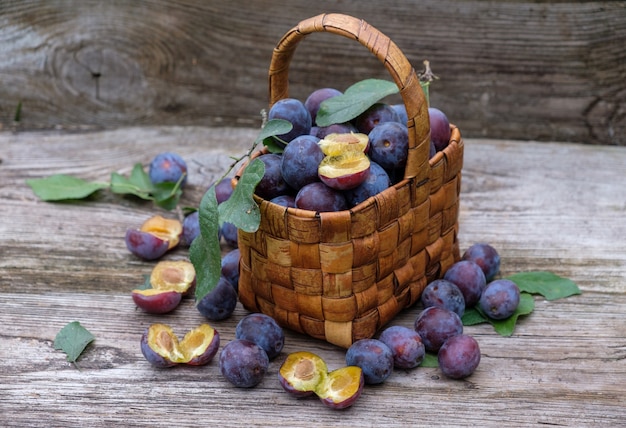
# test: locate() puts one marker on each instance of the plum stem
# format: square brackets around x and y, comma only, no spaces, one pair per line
[426,77]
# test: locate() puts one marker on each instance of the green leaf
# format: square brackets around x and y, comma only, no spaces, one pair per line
[506,326]
[472,317]
[503,327]
[137,184]
[354,101]
[272,128]
[240,208]
[205,252]
[430,361]
[147,285]
[166,195]
[60,187]
[548,284]
[269,134]
[73,339]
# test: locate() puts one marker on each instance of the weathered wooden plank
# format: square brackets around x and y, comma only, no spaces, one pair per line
[550,206]
[517,69]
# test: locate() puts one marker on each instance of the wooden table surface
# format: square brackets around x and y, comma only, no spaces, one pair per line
[544,206]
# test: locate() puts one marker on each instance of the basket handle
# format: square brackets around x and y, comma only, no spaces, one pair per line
[388,53]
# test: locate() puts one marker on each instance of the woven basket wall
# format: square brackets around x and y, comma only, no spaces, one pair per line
[341,276]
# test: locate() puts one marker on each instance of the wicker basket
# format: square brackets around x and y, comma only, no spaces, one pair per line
[341,276]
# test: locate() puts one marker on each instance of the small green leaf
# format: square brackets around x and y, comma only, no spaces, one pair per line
[354,101]
[166,195]
[269,134]
[60,187]
[73,339]
[240,208]
[472,317]
[548,284]
[137,184]
[272,128]
[505,327]
[274,145]
[147,285]
[430,361]
[205,251]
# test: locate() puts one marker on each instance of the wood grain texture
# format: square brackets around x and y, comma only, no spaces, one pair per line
[545,206]
[529,70]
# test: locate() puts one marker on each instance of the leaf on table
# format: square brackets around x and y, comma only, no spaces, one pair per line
[73,339]
[61,187]
[472,317]
[547,284]
[354,101]
[240,208]
[430,361]
[205,252]
[137,183]
[503,327]
[166,195]
[506,326]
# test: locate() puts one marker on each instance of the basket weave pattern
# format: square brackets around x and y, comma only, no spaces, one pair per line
[341,276]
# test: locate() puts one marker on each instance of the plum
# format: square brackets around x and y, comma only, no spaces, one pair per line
[315,98]
[485,256]
[373,357]
[293,111]
[345,171]
[337,144]
[145,245]
[262,330]
[470,279]
[389,145]
[500,299]
[154,238]
[459,356]
[154,301]
[304,374]
[161,347]
[375,115]
[444,294]
[168,167]
[300,161]
[229,233]
[405,344]
[376,181]
[336,128]
[220,302]
[288,201]
[230,267]
[176,275]
[439,128]
[342,387]
[436,325]
[191,228]
[223,190]
[319,197]
[243,363]
[272,184]
[301,373]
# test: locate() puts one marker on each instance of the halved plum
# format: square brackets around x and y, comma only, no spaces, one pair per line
[168,229]
[339,143]
[155,301]
[154,238]
[161,347]
[302,373]
[345,171]
[174,275]
[342,387]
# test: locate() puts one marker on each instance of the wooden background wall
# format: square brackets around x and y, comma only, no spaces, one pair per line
[542,70]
